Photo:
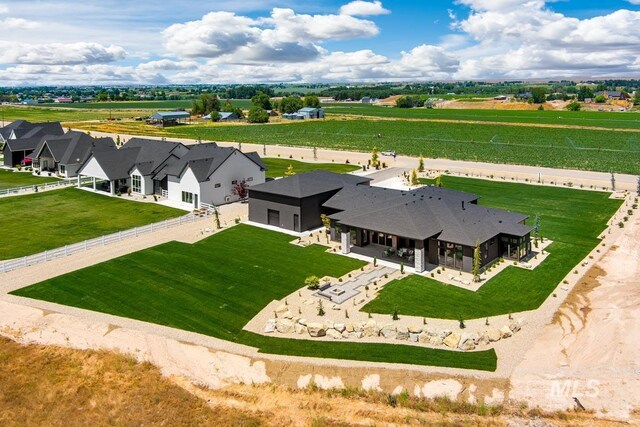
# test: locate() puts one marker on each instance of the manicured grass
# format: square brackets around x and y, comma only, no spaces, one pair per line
[11,179]
[573,219]
[277,167]
[64,114]
[48,220]
[217,285]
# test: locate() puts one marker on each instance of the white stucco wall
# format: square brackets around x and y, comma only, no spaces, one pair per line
[93,168]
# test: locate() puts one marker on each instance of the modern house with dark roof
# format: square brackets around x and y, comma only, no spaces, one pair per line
[22,137]
[429,225]
[64,154]
[187,175]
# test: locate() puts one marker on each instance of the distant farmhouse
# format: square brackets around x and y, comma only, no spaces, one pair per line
[613,95]
[223,116]
[427,225]
[188,175]
[168,118]
[21,138]
[63,100]
[305,113]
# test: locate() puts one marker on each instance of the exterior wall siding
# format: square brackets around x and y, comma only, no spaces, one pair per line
[92,168]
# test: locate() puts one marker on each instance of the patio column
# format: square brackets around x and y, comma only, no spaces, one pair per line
[94,183]
[419,254]
[112,187]
[79,181]
[345,240]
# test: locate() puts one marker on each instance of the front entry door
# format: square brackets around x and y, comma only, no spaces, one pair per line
[296,222]
[195,201]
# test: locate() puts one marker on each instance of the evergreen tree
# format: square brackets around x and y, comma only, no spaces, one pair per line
[289,171]
[375,158]
[414,178]
[421,164]
[476,262]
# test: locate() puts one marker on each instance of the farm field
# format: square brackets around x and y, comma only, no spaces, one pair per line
[573,219]
[43,114]
[10,179]
[139,105]
[277,167]
[583,149]
[618,120]
[60,217]
[209,288]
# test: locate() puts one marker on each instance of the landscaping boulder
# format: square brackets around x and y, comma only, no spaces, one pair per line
[483,339]
[328,324]
[316,329]
[345,335]
[270,327]
[349,327]
[284,326]
[300,329]
[340,327]
[514,326]
[358,334]
[359,327]
[402,333]
[334,334]
[444,333]
[303,321]
[388,331]
[413,337]
[467,342]
[494,334]
[505,332]
[424,338]
[452,340]
[282,309]
[415,329]
[286,315]
[435,340]
[371,329]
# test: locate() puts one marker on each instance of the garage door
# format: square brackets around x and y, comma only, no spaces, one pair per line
[273,217]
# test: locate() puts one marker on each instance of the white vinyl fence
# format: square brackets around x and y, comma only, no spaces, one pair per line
[14,264]
[31,188]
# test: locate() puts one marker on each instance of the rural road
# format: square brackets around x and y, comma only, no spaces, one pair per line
[518,172]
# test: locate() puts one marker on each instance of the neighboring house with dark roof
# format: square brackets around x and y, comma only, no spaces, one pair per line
[187,175]
[613,95]
[22,137]
[64,154]
[295,203]
[428,225]
[223,116]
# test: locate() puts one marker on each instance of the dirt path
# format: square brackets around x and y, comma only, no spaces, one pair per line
[590,350]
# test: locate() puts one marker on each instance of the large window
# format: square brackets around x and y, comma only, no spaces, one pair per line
[136,183]
[187,197]
[450,255]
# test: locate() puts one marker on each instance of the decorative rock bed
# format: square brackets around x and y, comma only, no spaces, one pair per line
[465,341]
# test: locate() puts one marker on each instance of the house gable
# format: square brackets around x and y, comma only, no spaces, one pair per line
[93,168]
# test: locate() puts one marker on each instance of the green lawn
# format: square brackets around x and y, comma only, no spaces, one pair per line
[573,219]
[277,167]
[217,285]
[48,220]
[11,179]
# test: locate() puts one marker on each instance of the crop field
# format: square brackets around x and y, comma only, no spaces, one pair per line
[58,114]
[596,150]
[140,105]
[216,286]
[626,120]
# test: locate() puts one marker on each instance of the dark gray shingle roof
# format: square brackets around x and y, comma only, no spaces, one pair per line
[309,184]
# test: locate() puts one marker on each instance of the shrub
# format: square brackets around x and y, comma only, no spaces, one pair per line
[401,268]
[312,282]
[320,308]
[375,261]
[395,314]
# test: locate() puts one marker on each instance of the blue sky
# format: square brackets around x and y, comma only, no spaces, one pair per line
[225,41]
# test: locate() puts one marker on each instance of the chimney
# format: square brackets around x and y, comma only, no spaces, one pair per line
[463,205]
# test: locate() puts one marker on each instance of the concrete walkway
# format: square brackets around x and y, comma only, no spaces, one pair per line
[342,292]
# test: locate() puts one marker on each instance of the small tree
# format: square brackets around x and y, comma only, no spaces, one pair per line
[439,181]
[241,189]
[325,221]
[375,158]
[311,101]
[320,308]
[613,182]
[257,115]
[315,153]
[536,230]
[420,164]
[395,313]
[477,260]
[414,178]
[216,215]
[312,282]
[574,106]
[289,171]
[118,142]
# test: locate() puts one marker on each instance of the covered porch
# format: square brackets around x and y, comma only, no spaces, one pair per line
[111,187]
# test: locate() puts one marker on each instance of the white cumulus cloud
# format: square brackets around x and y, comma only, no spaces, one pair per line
[363,8]
[59,53]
